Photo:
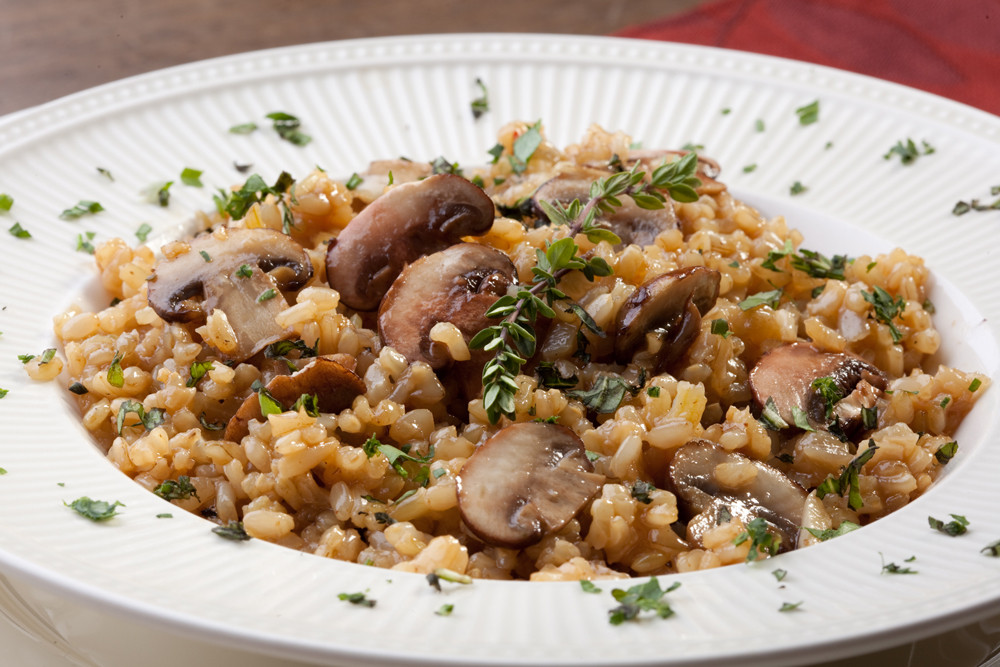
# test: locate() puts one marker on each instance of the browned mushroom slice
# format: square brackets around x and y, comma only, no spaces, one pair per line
[240,274]
[334,386]
[457,285]
[630,222]
[672,303]
[786,373]
[525,482]
[706,478]
[407,222]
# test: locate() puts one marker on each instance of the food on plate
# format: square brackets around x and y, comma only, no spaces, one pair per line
[569,364]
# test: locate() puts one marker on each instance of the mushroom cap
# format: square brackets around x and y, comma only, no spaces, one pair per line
[767,493]
[786,373]
[178,280]
[673,301]
[407,222]
[457,285]
[632,223]
[250,297]
[528,480]
[334,386]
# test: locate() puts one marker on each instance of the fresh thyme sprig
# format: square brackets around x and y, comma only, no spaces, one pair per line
[512,341]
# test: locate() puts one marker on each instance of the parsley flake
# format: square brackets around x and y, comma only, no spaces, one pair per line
[481,104]
[360,599]
[143,232]
[959,525]
[640,598]
[83,208]
[809,113]
[95,510]
[233,530]
[19,232]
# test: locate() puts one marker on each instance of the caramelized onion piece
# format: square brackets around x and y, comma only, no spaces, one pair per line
[525,482]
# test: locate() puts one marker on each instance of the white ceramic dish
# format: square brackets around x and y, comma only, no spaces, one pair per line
[378,98]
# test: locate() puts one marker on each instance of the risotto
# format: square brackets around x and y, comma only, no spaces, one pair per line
[573,363]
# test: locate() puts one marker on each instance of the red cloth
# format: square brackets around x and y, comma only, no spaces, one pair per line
[947,47]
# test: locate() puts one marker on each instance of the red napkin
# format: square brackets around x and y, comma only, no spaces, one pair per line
[947,47]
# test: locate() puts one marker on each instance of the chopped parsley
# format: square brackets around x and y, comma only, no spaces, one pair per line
[198,371]
[759,125]
[95,510]
[653,392]
[445,610]
[481,104]
[78,389]
[770,417]
[809,113]
[179,489]
[946,452]
[886,309]
[150,420]
[750,168]
[243,128]
[19,232]
[779,574]
[830,533]
[720,327]
[233,530]
[525,146]
[287,126]
[550,377]
[991,549]
[640,598]
[84,207]
[959,525]
[848,480]
[267,295]
[589,587]
[829,391]
[244,271]
[192,177]
[606,394]
[83,242]
[395,456]
[143,232]
[442,165]
[641,490]
[354,181]
[47,355]
[975,384]
[6,201]
[444,574]
[762,541]
[116,376]
[269,405]
[790,606]
[106,174]
[893,568]
[908,151]
[360,599]
[770,298]
[797,188]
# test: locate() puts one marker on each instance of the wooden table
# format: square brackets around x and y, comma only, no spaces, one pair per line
[55,47]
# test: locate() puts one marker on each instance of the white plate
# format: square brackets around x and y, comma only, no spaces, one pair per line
[410,96]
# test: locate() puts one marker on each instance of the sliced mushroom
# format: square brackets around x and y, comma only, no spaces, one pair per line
[457,285]
[407,222]
[334,386]
[706,478]
[632,224]
[672,304]
[241,274]
[786,374]
[525,482]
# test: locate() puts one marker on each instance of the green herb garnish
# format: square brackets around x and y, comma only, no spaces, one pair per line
[83,208]
[908,151]
[150,420]
[287,126]
[360,599]
[589,587]
[959,525]
[19,232]
[640,598]
[179,489]
[770,298]
[95,510]
[809,113]
[143,232]
[233,530]
[848,480]
[481,104]
[197,371]
[762,541]
[946,452]
[116,376]
[886,308]
[267,295]
[243,128]
[354,181]
[191,177]
[824,535]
